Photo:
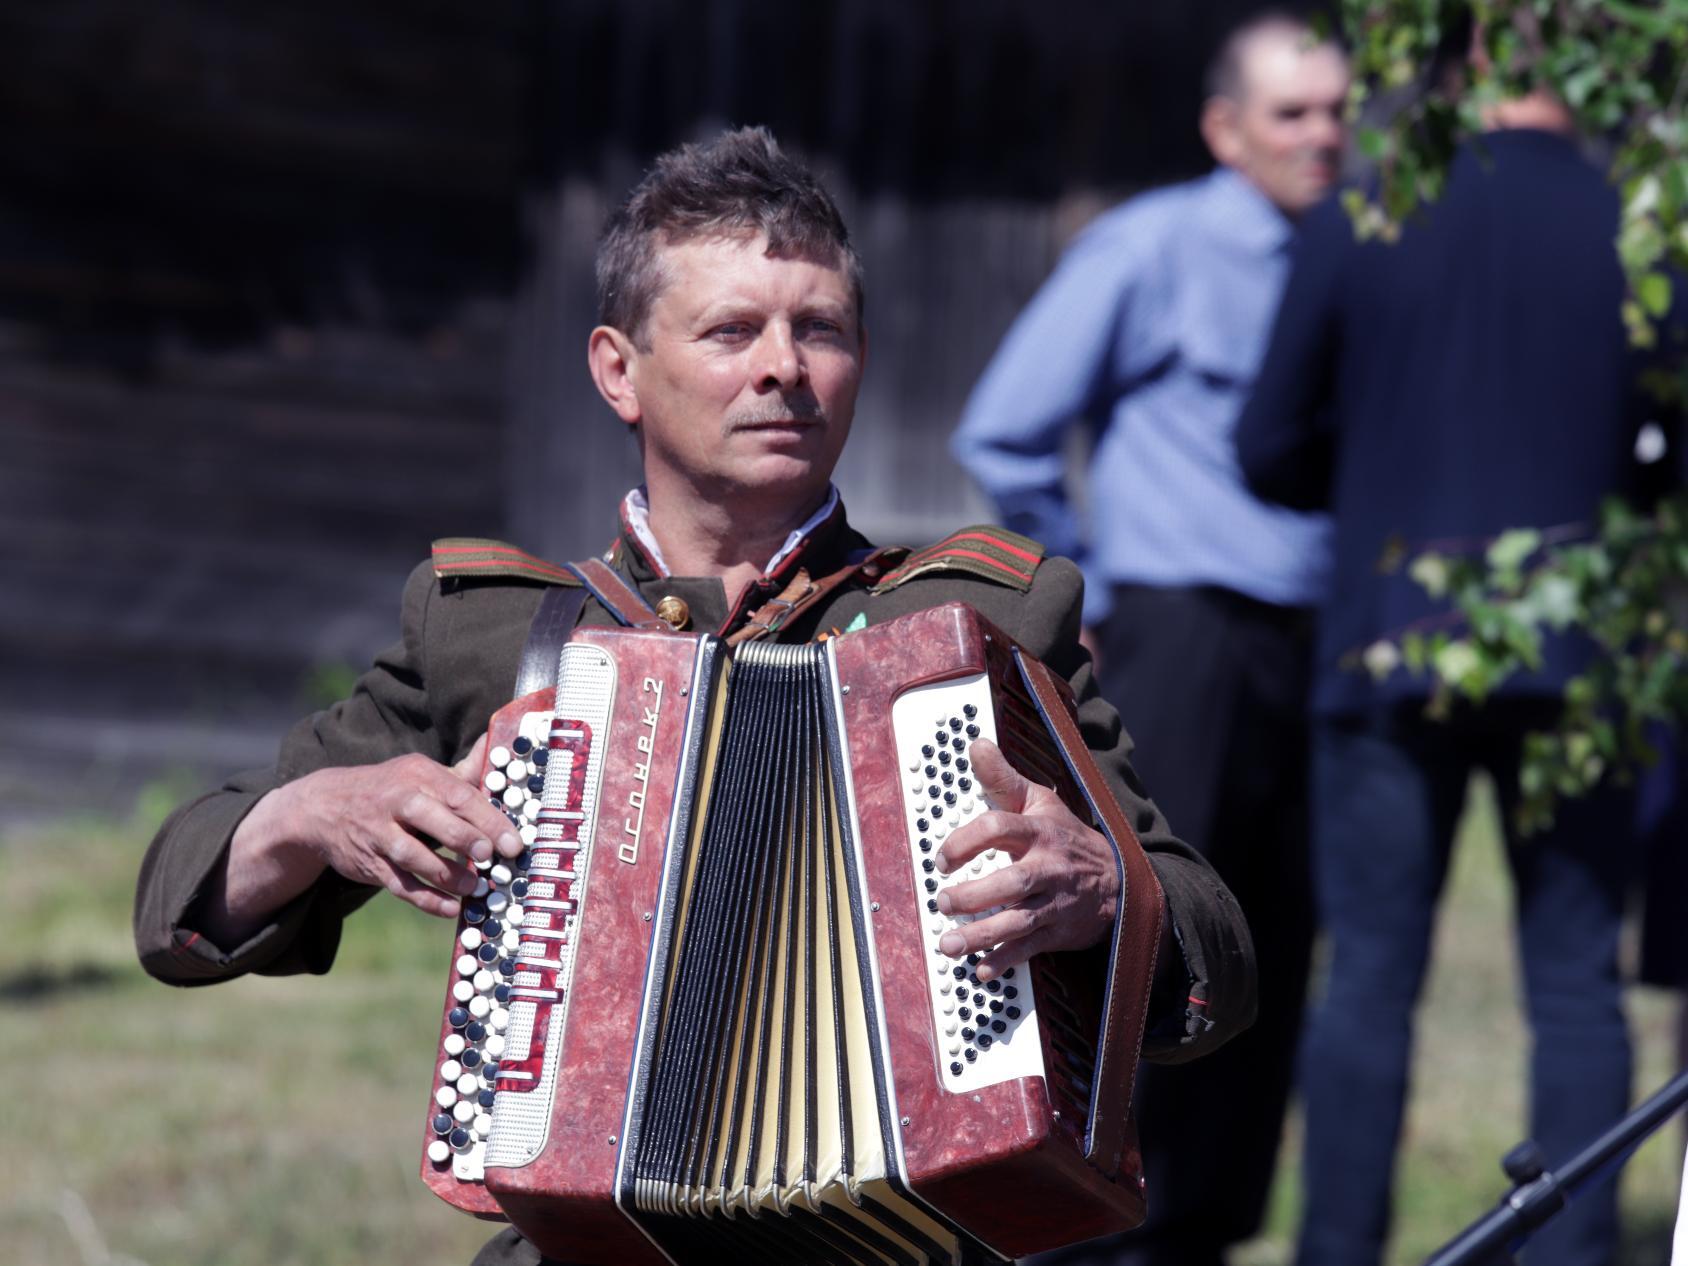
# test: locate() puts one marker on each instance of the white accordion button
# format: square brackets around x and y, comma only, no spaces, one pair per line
[479,1006]
[463,1113]
[468,1084]
[529,833]
[445,1096]
[494,1045]
[482,1125]
[511,939]
[515,771]
[470,939]
[463,990]
[496,902]
[481,886]
[500,1019]
[484,981]
[454,1044]
[468,965]
[530,810]
[514,796]
[499,757]
[451,1070]
[439,1151]
[496,782]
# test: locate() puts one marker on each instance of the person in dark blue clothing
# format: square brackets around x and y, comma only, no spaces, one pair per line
[1474,377]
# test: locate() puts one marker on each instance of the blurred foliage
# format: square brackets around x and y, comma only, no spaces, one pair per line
[1621,67]
[1622,584]
[327,682]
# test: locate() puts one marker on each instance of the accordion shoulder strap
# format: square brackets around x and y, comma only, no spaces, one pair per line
[1136,939]
[559,612]
[804,592]
[616,596]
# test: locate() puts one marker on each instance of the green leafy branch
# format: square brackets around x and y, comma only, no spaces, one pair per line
[1620,66]
[1622,584]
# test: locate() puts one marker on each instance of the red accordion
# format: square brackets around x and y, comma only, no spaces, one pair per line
[705,1013]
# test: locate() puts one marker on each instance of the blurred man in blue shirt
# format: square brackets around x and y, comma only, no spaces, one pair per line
[1197,594]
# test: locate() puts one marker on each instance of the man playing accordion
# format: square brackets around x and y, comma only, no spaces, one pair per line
[732,344]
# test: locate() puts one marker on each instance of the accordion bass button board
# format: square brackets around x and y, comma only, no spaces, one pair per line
[706,1012]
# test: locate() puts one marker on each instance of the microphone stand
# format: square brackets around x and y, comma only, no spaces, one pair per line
[1539,1193]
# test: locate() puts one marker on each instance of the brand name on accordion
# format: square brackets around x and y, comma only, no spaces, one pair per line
[633,824]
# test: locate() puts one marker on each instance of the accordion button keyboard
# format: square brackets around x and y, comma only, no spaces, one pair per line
[983,1043]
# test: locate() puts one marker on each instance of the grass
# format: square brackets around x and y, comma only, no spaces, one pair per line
[276,1121]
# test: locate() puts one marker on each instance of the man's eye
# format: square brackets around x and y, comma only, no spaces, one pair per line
[731,330]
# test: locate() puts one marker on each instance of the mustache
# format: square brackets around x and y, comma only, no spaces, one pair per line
[801,408]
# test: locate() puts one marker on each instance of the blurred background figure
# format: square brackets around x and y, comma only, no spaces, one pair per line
[1197,595]
[1474,377]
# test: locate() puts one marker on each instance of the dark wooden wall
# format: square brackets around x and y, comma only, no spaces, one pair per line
[288,289]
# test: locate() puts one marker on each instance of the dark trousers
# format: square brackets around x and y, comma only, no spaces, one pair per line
[1212,687]
[1387,793]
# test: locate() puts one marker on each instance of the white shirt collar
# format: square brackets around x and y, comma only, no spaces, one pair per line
[636,509]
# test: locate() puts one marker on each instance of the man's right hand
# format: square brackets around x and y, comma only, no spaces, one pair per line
[374,824]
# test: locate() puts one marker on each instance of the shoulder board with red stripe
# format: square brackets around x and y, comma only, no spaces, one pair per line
[474,556]
[990,552]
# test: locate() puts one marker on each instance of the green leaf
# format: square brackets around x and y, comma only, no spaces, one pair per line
[1512,547]
[1430,571]
[1653,290]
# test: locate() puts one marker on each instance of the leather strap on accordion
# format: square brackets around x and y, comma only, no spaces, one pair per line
[1137,934]
[616,596]
[559,612]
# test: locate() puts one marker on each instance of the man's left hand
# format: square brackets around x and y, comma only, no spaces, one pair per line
[1059,893]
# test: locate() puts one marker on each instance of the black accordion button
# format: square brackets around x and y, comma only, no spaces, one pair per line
[949,796]
[999,1026]
[926,864]
[536,783]
[519,889]
[476,1032]
[969,711]
[944,757]
[972,731]
[508,967]
[932,791]
[961,764]
[474,912]
[959,745]
[1013,1013]
[522,746]
[979,1000]
[971,1054]
[955,723]
[955,1068]
[932,905]
[960,973]
[1010,992]
[488,953]
[442,1123]
[974,958]
[921,824]
[965,1013]
[996,1005]
[492,928]
[966,784]
[947,778]
[457,1017]
[993,985]
[931,885]
[470,1058]
[485,1098]
[1009,974]
[967,1033]
[985,1040]
[925,844]
[501,993]
[460,1138]
[931,771]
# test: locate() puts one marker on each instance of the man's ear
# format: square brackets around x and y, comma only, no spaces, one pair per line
[1219,129]
[610,356]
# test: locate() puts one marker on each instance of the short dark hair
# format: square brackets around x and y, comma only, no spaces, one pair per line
[1224,76]
[739,183]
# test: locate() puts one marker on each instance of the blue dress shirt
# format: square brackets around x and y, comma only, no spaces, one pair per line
[1150,329]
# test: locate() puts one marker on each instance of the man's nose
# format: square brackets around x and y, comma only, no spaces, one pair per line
[778,363]
[1328,129]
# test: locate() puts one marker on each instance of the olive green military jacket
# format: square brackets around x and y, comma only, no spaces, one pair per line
[465,621]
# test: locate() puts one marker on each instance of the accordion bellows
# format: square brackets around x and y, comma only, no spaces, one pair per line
[705,1013]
